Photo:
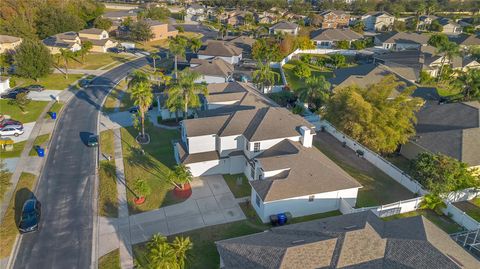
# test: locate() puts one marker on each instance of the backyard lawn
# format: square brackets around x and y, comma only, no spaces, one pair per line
[110,260]
[152,165]
[296,83]
[472,208]
[40,141]
[400,162]
[240,188]
[378,187]
[8,227]
[50,82]
[107,190]
[33,110]
[443,222]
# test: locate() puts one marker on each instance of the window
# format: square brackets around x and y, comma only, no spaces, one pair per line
[311,198]
[256,147]
[257,200]
[252,172]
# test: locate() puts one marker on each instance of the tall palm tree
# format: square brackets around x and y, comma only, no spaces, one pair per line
[316,88]
[177,48]
[66,55]
[186,89]
[449,50]
[86,47]
[142,95]
[136,77]
[471,84]
[180,247]
[195,44]
[154,57]
[224,30]
[264,76]
[160,253]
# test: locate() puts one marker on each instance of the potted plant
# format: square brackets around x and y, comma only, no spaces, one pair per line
[141,189]
[180,177]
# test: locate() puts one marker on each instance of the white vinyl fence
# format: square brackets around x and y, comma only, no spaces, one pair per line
[313,51]
[463,195]
[382,211]
[461,217]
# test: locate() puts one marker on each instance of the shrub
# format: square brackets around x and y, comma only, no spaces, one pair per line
[298,109]
[302,70]
[141,188]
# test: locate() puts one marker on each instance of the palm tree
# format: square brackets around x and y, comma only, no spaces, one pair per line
[224,30]
[449,50]
[186,89]
[86,47]
[160,253]
[316,88]
[177,47]
[174,103]
[142,95]
[154,58]
[66,55]
[195,44]
[264,76]
[180,247]
[136,77]
[471,84]
[433,202]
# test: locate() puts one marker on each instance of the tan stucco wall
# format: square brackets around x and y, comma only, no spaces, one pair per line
[161,32]
[9,46]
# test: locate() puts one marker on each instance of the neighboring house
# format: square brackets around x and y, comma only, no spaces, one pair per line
[214,70]
[450,27]
[466,41]
[400,40]
[327,38]
[99,38]
[452,129]
[195,12]
[284,28]
[9,43]
[273,148]
[357,240]
[4,84]
[334,19]
[121,15]
[221,49]
[266,19]
[424,21]
[378,21]
[67,40]
[245,43]
[161,30]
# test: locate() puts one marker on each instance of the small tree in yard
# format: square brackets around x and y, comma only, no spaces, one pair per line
[302,70]
[343,44]
[337,60]
[86,47]
[32,59]
[141,188]
[180,176]
[264,76]
[66,55]
[195,44]
[433,202]
[141,32]
[315,92]
[187,89]
[22,101]
[102,23]
[141,94]
[161,254]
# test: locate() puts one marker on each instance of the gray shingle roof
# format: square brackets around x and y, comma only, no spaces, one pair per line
[220,48]
[94,31]
[284,25]
[335,35]
[358,240]
[403,37]
[466,40]
[8,39]
[213,67]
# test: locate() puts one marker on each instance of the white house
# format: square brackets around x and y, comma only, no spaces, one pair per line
[195,12]
[4,84]
[378,21]
[400,40]
[273,148]
[67,40]
[215,70]
[220,49]
[328,38]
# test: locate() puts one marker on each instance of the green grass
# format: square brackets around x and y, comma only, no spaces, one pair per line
[153,166]
[315,216]
[4,184]
[400,162]
[95,61]
[241,190]
[56,107]
[378,188]
[107,145]
[295,83]
[33,110]
[472,208]
[8,227]
[121,94]
[443,222]
[110,260]
[40,141]
[15,153]
[107,189]
[50,82]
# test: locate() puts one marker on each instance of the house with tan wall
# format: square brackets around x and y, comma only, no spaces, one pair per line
[99,38]
[8,43]
[161,30]
[67,40]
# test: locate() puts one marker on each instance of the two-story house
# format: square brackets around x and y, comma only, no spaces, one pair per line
[68,40]
[450,27]
[99,38]
[161,30]
[195,12]
[214,70]
[378,21]
[334,19]
[328,38]
[284,27]
[400,40]
[273,148]
[221,49]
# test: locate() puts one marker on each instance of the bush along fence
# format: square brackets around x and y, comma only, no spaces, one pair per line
[405,180]
[313,51]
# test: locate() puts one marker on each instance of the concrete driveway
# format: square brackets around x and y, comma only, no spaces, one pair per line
[46,95]
[211,203]
[27,129]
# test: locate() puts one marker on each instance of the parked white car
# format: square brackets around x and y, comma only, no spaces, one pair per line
[9,131]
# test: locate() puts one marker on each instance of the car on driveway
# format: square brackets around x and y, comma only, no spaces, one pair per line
[10,123]
[36,88]
[134,109]
[9,131]
[92,141]
[12,94]
[30,218]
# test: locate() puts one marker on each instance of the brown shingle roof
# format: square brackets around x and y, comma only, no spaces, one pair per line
[403,37]
[335,35]
[9,39]
[220,48]
[212,67]
[93,31]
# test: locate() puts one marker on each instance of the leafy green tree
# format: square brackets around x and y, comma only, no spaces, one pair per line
[371,117]
[195,44]
[337,60]
[359,27]
[249,19]
[32,59]
[359,44]
[140,31]
[449,50]
[435,26]
[304,42]
[181,246]
[438,40]
[102,23]
[266,51]
[6,60]
[186,88]
[399,26]
[21,100]
[66,55]
[177,47]
[441,174]
[157,13]
[264,76]
[52,20]
[343,45]
[141,94]
[141,188]
[302,70]
[315,92]
[471,85]
[164,255]
[298,109]
[433,202]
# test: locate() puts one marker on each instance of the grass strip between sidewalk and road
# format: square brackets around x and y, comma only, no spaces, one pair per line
[9,225]
[110,260]
[40,141]
[107,190]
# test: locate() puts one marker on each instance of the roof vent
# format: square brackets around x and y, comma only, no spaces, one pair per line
[297,241]
[350,227]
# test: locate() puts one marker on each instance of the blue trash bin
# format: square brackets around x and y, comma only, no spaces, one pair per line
[53,115]
[282,218]
[41,152]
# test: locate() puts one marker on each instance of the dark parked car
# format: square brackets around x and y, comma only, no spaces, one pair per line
[10,123]
[12,94]
[36,88]
[134,109]
[92,141]
[116,49]
[30,219]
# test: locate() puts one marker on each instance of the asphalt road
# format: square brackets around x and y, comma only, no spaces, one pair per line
[66,186]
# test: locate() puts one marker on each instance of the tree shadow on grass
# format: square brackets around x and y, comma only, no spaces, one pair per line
[21,196]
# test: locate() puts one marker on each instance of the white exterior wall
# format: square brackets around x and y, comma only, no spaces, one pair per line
[215,105]
[211,79]
[266,144]
[232,59]
[206,168]
[273,172]
[4,85]
[300,206]
[237,164]
[231,143]
[200,144]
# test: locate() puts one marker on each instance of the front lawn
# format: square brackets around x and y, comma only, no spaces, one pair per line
[8,227]
[40,141]
[295,83]
[33,110]
[443,222]
[472,208]
[110,260]
[107,189]
[50,82]
[15,153]
[120,96]
[240,188]
[151,165]
[95,61]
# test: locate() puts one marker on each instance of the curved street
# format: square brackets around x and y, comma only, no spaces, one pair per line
[66,185]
